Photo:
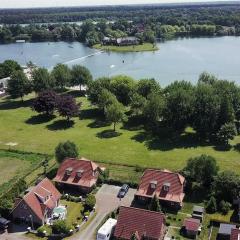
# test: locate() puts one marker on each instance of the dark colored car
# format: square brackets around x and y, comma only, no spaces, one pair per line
[123,191]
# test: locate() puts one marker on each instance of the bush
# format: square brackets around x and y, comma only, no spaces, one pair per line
[103,177]
[90,202]
[211,206]
[64,150]
[41,230]
[168,224]
[224,207]
[60,227]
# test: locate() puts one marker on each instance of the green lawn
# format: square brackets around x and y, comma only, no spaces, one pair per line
[73,212]
[18,123]
[16,164]
[135,48]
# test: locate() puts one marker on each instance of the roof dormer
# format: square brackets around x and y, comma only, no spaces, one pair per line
[80,172]
[153,184]
[68,171]
[166,186]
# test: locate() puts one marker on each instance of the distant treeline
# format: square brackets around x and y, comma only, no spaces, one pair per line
[218,14]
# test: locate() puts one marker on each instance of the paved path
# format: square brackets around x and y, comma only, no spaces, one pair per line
[107,201]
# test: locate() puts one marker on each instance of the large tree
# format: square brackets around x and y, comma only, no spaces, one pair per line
[67,107]
[115,113]
[123,87]
[61,75]
[46,102]
[202,169]
[66,150]
[42,80]
[18,85]
[179,105]
[145,87]
[227,132]
[8,67]
[80,76]
[154,108]
[226,186]
[105,99]
[206,110]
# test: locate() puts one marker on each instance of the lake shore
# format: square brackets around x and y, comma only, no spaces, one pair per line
[134,48]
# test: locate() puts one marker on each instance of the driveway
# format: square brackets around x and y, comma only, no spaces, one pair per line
[107,201]
[16,232]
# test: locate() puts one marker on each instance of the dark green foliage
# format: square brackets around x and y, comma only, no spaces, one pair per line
[90,201]
[65,150]
[138,104]
[145,87]
[154,204]
[18,85]
[226,186]
[123,88]
[154,108]
[227,132]
[179,105]
[42,80]
[80,76]
[202,169]
[224,207]
[105,98]
[60,227]
[46,102]
[206,110]
[211,205]
[61,75]
[115,113]
[8,67]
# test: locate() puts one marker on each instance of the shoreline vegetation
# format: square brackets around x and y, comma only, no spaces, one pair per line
[132,48]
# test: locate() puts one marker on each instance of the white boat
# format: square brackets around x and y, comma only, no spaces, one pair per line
[20,41]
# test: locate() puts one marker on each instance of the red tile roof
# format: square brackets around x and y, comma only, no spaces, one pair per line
[191,224]
[87,179]
[175,182]
[235,234]
[143,222]
[43,190]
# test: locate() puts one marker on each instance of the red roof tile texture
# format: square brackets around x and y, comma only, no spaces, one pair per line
[235,234]
[143,222]
[43,195]
[175,182]
[191,224]
[87,168]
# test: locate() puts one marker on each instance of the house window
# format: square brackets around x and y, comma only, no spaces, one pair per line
[68,171]
[80,172]
[166,186]
[153,184]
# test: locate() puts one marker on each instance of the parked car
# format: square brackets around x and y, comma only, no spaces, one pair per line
[3,224]
[123,191]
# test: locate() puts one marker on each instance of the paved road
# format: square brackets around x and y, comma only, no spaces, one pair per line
[107,201]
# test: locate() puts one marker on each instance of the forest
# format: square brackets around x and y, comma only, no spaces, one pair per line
[147,23]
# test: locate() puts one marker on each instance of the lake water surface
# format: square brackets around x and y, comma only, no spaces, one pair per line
[175,60]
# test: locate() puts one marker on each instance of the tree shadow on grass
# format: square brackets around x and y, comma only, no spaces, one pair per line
[92,113]
[134,123]
[237,147]
[223,148]
[98,124]
[10,104]
[39,119]
[164,143]
[108,134]
[60,125]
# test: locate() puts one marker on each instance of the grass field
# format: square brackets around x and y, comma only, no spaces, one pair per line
[15,164]
[135,48]
[18,123]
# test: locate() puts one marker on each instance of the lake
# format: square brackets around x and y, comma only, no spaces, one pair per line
[176,59]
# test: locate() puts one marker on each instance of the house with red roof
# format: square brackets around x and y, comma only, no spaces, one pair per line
[191,226]
[166,185]
[37,204]
[81,174]
[143,223]
[235,234]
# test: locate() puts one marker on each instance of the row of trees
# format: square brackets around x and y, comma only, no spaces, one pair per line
[211,107]
[41,79]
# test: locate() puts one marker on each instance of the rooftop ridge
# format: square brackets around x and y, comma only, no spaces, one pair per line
[143,210]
